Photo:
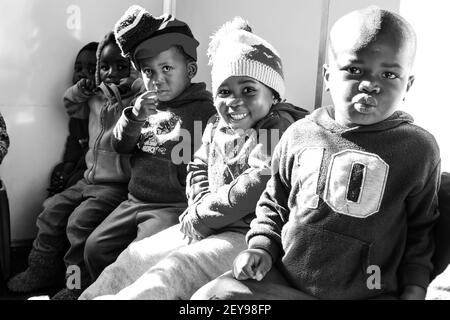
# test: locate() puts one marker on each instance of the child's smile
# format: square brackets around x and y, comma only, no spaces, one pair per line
[237,116]
[242,101]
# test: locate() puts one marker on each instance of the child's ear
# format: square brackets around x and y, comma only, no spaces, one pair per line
[410,82]
[192,69]
[326,75]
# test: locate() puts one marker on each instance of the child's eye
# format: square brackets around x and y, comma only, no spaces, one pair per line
[248,90]
[91,71]
[167,68]
[223,92]
[390,75]
[353,70]
[147,72]
[104,67]
[121,67]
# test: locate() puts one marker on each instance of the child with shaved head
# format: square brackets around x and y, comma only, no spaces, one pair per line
[349,209]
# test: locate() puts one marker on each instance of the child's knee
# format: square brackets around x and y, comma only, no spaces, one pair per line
[214,290]
[92,248]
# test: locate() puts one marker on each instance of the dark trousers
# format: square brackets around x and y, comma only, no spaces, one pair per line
[72,215]
[132,220]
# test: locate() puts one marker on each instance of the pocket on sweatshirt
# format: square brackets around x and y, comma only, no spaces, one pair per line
[110,167]
[324,263]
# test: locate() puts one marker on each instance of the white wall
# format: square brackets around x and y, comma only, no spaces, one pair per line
[428,101]
[39,40]
[291,26]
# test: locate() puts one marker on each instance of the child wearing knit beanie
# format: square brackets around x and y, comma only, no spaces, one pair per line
[224,180]
[171,113]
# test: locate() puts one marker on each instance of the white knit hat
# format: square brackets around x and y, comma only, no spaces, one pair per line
[235,51]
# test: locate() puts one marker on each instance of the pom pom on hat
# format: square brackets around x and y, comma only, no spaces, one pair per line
[229,27]
[141,35]
[235,51]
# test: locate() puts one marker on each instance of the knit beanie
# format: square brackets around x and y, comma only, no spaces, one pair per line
[235,51]
[140,35]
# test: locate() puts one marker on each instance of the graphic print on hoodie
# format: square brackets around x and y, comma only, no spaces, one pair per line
[159,129]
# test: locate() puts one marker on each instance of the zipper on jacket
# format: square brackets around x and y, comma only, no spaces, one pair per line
[97,142]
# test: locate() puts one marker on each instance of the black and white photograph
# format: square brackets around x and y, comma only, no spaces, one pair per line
[234,156]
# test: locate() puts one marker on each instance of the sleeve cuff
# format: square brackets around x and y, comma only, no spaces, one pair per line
[199,226]
[265,243]
[130,126]
[414,274]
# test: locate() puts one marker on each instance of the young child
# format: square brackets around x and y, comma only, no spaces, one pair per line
[4,139]
[75,212]
[71,169]
[350,206]
[225,179]
[164,50]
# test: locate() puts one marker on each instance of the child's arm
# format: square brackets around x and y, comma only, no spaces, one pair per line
[4,139]
[197,183]
[272,210]
[413,293]
[77,140]
[416,266]
[76,99]
[128,129]
[236,200]
[74,152]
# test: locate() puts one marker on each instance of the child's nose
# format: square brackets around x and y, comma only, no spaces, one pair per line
[113,70]
[157,78]
[234,102]
[369,86]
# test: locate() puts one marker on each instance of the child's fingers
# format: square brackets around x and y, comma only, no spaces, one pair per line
[149,95]
[150,108]
[89,83]
[239,273]
[149,101]
[259,275]
[260,272]
[243,266]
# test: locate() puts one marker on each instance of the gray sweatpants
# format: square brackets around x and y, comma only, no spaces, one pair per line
[165,266]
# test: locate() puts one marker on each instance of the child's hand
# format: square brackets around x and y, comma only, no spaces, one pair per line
[412,292]
[252,264]
[187,228]
[125,85]
[145,106]
[86,86]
